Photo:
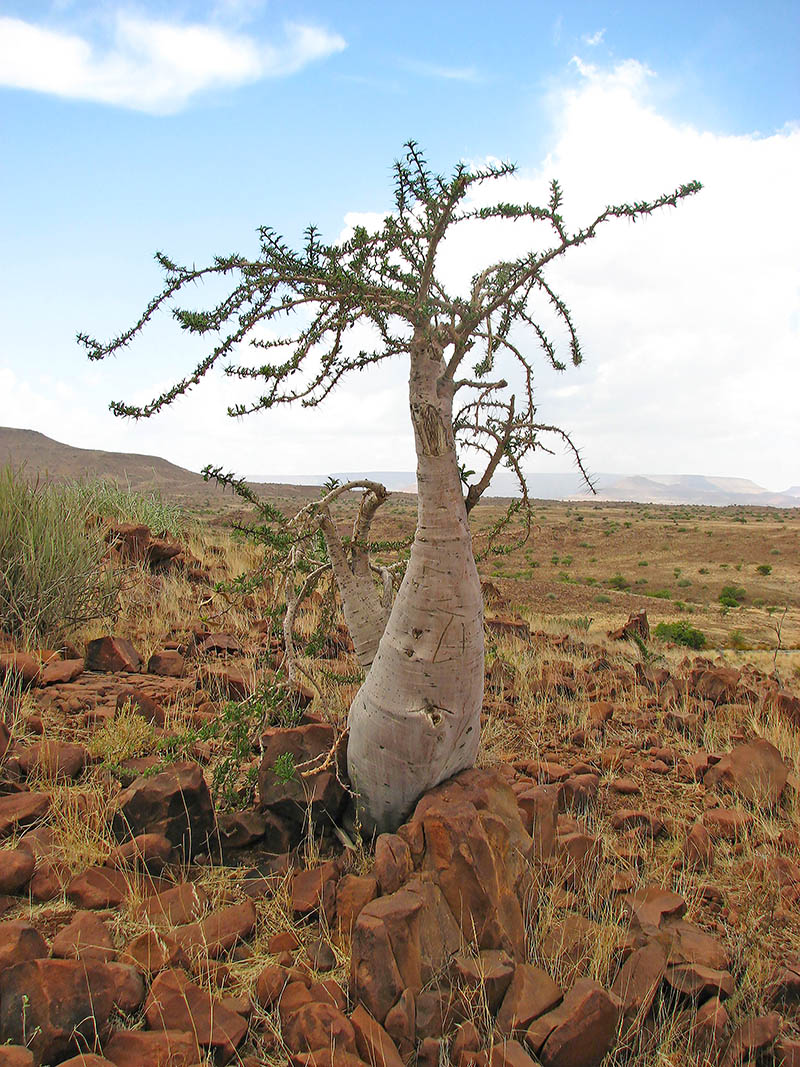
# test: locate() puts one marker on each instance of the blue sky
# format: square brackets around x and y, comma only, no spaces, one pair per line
[127,128]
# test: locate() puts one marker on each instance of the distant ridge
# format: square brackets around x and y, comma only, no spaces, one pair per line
[54,461]
[698,489]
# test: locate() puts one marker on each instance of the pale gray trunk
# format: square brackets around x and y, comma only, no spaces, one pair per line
[416,719]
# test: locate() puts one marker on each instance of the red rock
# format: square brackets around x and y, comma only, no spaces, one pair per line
[175,804]
[48,881]
[755,771]
[127,985]
[728,823]
[578,857]
[310,887]
[319,1026]
[150,852]
[176,1003]
[112,654]
[270,984]
[54,759]
[386,955]
[169,664]
[393,863]
[20,942]
[787,1050]
[149,1048]
[353,892]
[152,952]
[98,887]
[219,931]
[55,1006]
[631,819]
[21,809]
[698,848]
[648,907]
[85,937]
[141,704]
[580,1031]
[240,829]
[699,982]
[184,903]
[61,672]
[16,1056]
[22,667]
[637,625]
[709,1025]
[532,993]
[538,806]
[309,746]
[510,1054]
[717,684]
[509,626]
[485,978]
[16,869]
[227,683]
[638,982]
[625,786]
[569,944]
[86,1059]
[401,1024]
[751,1038]
[372,1042]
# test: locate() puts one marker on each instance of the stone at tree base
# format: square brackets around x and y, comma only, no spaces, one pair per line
[240,829]
[153,1048]
[55,1006]
[176,1003]
[85,937]
[532,992]
[580,1031]
[314,888]
[755,771]
[112,654]
[401,1023]
[16,869]
[176,804]
[539,808]
[20,942]
[353,892]
[386,957]
[309,747]
[393,863]
[18,810]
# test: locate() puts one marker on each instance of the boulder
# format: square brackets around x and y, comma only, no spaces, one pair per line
[153,1048]
[55,1007]
[16,869]
[754,771]
[580,1031]
[85,937]
[112,654]
[176,1003]
[532,993]
[176,804]
[20,942]
[219,931]
[306,748]
[53,759]
[18,810]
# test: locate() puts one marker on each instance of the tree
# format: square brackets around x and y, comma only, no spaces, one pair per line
[416,719]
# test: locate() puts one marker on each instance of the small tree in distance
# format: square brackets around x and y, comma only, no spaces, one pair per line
[416,719]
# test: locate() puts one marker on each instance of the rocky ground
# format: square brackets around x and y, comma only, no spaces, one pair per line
[181,880]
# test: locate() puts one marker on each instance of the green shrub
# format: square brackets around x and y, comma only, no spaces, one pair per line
[738,641]
[682,633]
[618,582]
[52,578]
[731,596]
[661,594]
[123,504]
[764,568]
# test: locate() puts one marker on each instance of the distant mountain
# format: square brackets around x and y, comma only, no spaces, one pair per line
[643,489]
[54,461]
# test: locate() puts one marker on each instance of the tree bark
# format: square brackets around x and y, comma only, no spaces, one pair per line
[416,719]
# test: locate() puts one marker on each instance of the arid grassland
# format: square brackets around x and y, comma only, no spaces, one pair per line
[181,880]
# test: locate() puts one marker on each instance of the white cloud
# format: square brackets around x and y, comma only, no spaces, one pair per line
[151,65]
[595,38]
[435,70]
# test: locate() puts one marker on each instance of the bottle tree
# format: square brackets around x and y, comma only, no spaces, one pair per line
[415,721]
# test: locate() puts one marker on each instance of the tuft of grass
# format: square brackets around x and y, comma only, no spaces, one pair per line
[52,575]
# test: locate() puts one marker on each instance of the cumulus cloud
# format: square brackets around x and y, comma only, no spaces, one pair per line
[149,64]
[595,38]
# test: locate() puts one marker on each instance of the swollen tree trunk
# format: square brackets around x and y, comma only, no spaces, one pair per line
[416,719]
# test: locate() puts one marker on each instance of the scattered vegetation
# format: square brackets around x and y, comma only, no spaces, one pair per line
[682,633]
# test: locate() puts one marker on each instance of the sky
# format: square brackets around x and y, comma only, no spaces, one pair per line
[182,127]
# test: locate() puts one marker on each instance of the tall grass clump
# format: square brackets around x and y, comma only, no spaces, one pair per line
[118,503]
[52,578]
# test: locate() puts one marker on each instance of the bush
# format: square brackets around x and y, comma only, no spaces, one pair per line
[682,633]
[764,568]
[51,574]
[731,596]
[618,582]
[738,641]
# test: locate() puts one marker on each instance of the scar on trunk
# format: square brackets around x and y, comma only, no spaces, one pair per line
[433,436]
